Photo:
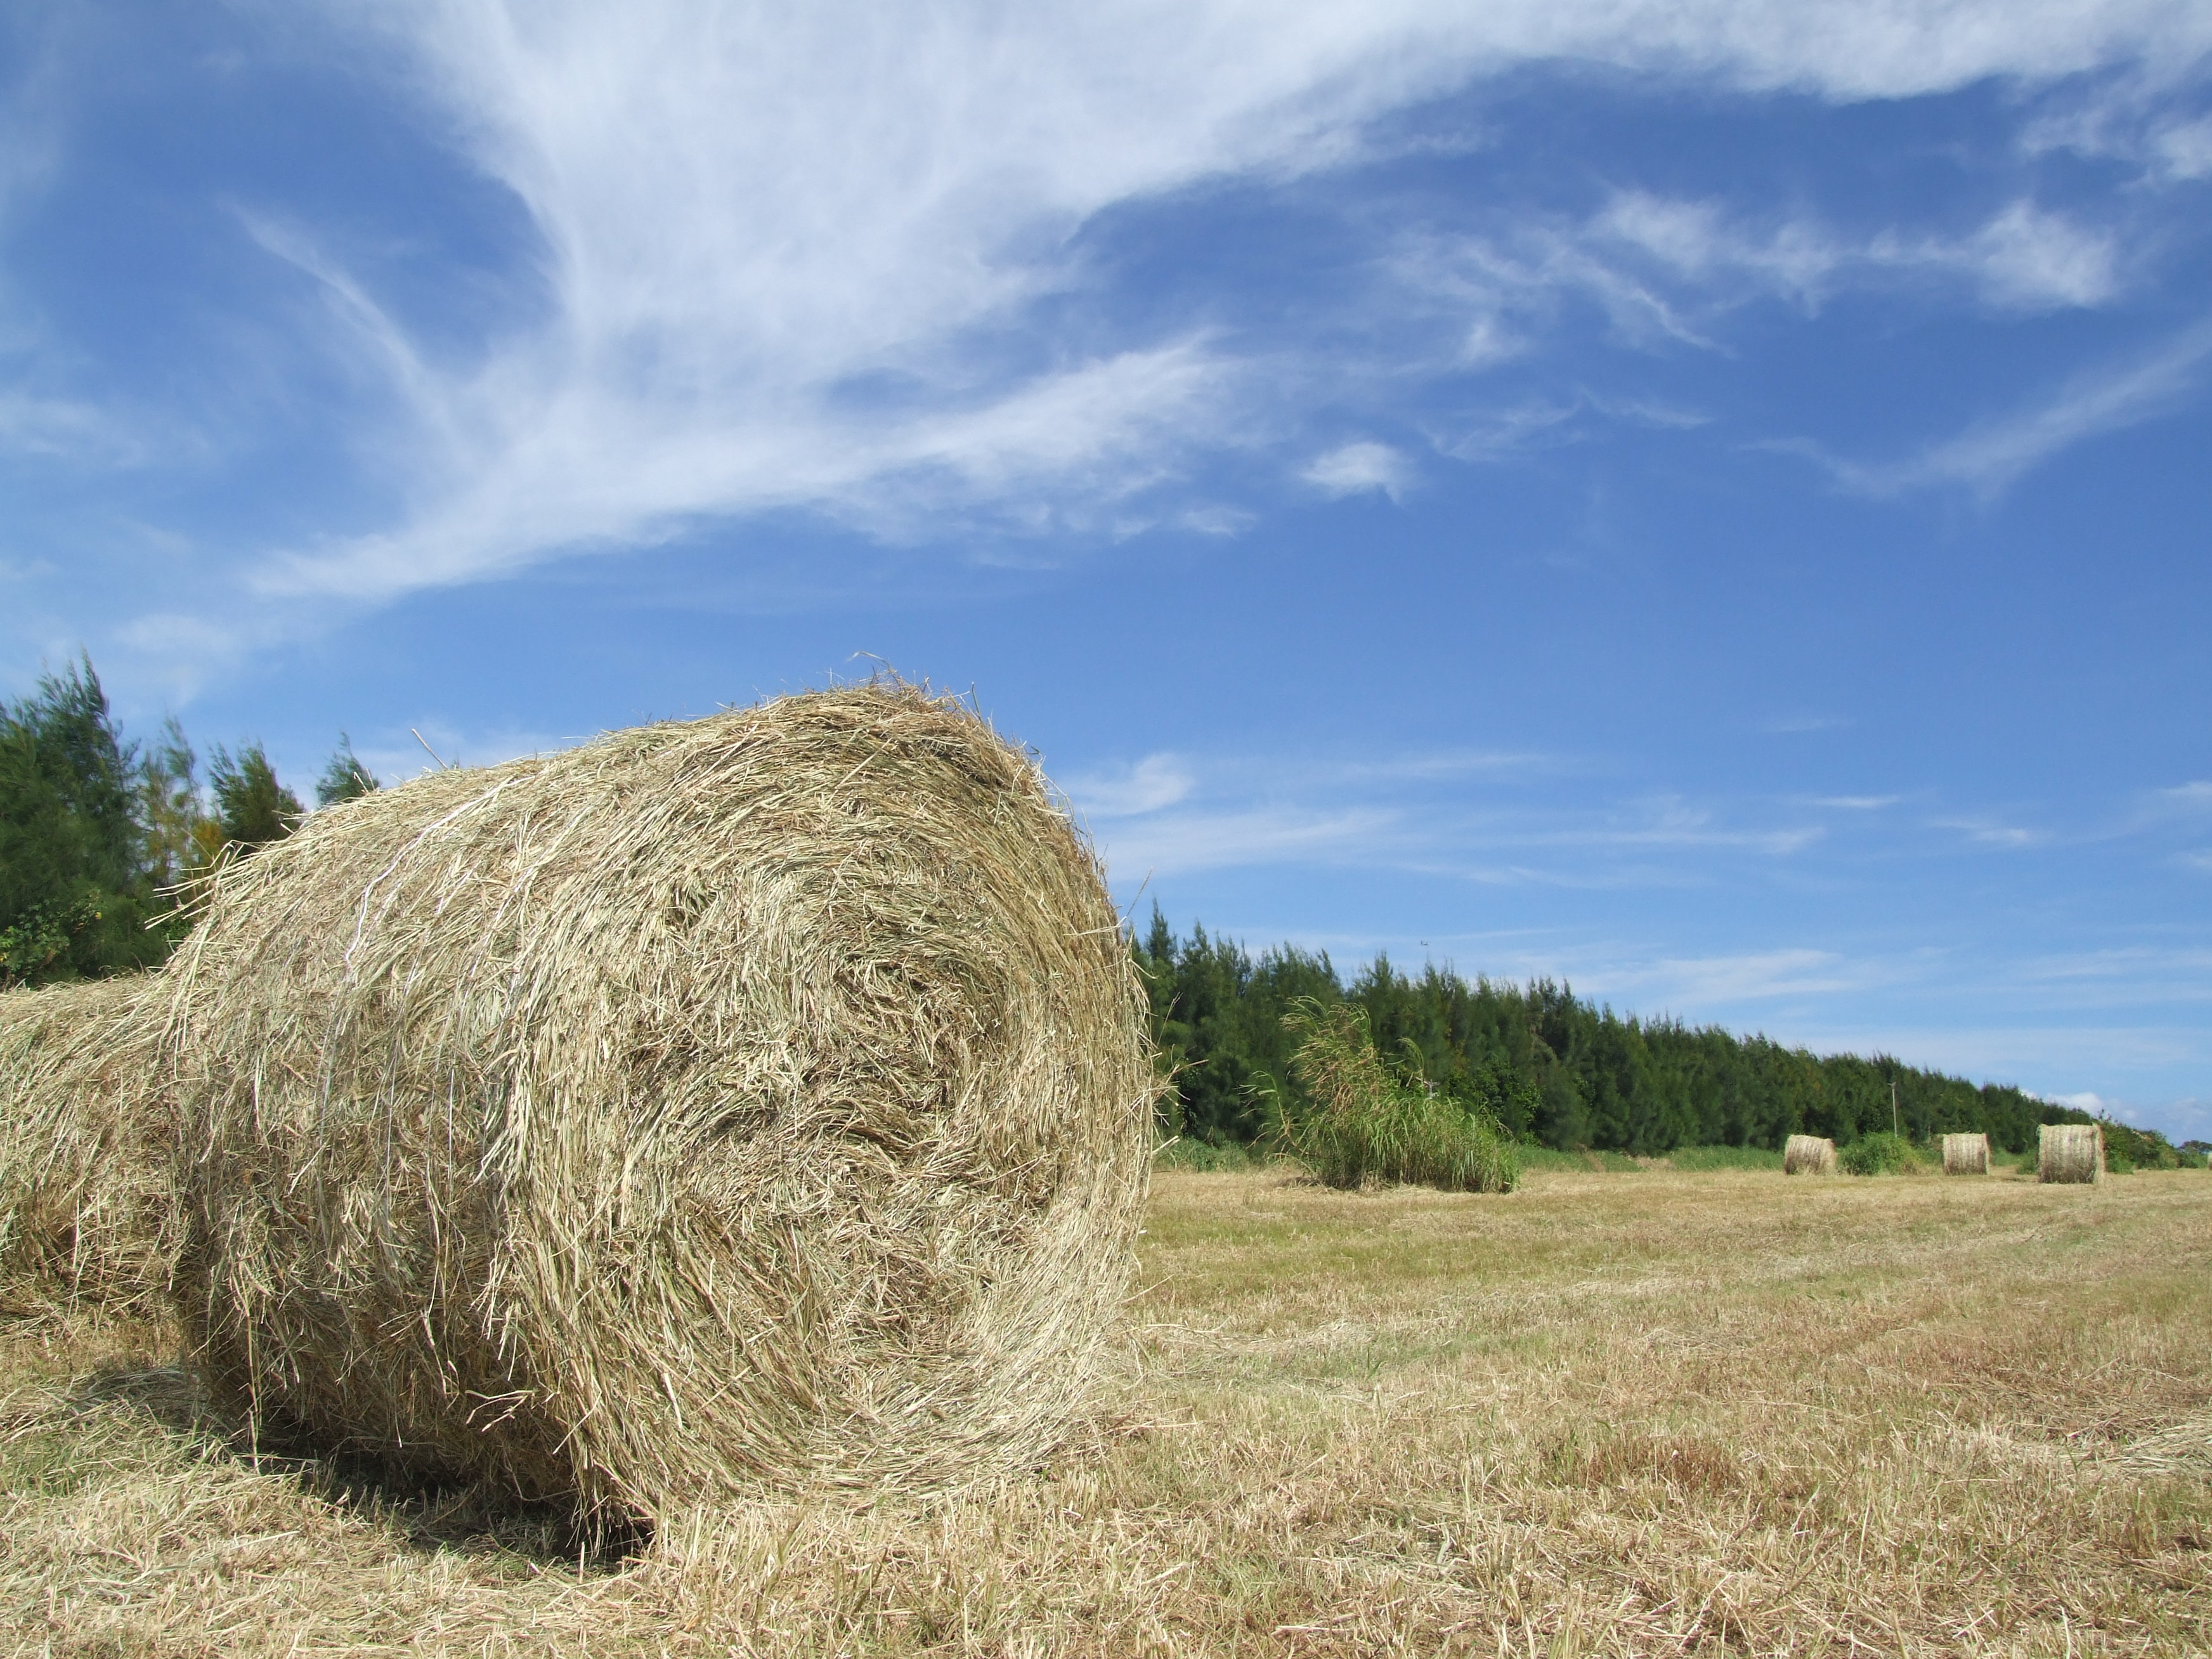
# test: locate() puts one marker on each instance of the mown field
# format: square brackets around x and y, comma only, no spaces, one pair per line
[1655,1412]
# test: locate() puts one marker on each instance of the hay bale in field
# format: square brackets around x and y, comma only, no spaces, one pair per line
[88,1200]
[1808,1155]
[1966,1154]
[758,1101]
[2072,1152]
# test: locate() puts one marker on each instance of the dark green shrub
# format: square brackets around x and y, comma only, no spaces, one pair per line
[1880,1153]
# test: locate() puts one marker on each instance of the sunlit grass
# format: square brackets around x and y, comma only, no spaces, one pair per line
[1659,1413]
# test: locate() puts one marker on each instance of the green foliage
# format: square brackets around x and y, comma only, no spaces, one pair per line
[2127,1150]
[251,805]
[1550,1158]
[98,835]
[1551,1068]
[1878,1153]
[1724,1157]
[345,778]
[1359,1121]
[1204,1156]
[180,836]
[75,886]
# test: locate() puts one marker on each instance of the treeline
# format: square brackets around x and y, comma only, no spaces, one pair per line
[1550,1067]
[100,835]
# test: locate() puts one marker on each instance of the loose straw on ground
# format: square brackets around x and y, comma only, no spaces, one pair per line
[757,1102]
[1808,1155]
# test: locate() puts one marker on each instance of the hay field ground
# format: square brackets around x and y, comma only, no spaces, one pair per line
[1649,1413]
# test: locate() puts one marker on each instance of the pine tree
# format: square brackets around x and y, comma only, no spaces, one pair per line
[74,884]
[252,807]
[345,778]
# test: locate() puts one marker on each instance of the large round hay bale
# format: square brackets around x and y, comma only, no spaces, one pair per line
[88,1200]
[1966,1154]
[2071,1152]
[757,1101]
[1808,1155]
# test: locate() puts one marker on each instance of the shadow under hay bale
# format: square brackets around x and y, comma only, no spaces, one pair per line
[1808,1155]
[2070,1152]
[757,1102]
[89,1209]
[1966,1154]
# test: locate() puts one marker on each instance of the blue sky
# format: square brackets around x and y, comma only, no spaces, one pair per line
[1705,499]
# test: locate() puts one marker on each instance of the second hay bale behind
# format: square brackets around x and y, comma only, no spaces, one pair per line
[1808,1155]
[1966,1154]
[755,1100]
[2072,1153]
[89,1207]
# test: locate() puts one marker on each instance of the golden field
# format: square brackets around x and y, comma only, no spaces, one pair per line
[1648,1413]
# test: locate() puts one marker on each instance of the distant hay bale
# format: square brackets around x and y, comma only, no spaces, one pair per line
[1966,1154]
[2072,1152]
[88,1202]
[1808,1155]
[755,1101]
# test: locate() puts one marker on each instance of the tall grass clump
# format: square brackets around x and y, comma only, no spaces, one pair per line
[1364,1122]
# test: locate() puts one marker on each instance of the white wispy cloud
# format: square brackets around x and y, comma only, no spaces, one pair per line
[1705,981]
[1989,832]
[1459,814]
[1358,468]
[2024,257]
[788,257]
[1147,786]
[1178,843]
[2192,797]
[1989,457]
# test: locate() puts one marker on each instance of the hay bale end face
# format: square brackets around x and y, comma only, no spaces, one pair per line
[2070,1152]
[89,1207]
[757,1102]
[1808,1155]
[1966,1154]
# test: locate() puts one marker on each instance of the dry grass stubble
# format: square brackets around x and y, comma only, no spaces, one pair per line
[1676,1412]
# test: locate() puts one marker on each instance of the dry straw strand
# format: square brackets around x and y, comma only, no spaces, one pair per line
[750,1102]
[2070,1152]
[1808,1155]
[89,1207]
[1966,1154]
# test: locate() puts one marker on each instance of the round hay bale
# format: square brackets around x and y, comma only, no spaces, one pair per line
[742,1104]
[1966,1154]
[90,1208]
[2072,1152]
[1808,1155]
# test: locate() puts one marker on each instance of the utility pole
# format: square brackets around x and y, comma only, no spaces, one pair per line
[1893,1106]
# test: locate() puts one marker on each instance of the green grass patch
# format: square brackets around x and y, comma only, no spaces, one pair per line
[1724,1157]
[1578,1162]
[1204,1156]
